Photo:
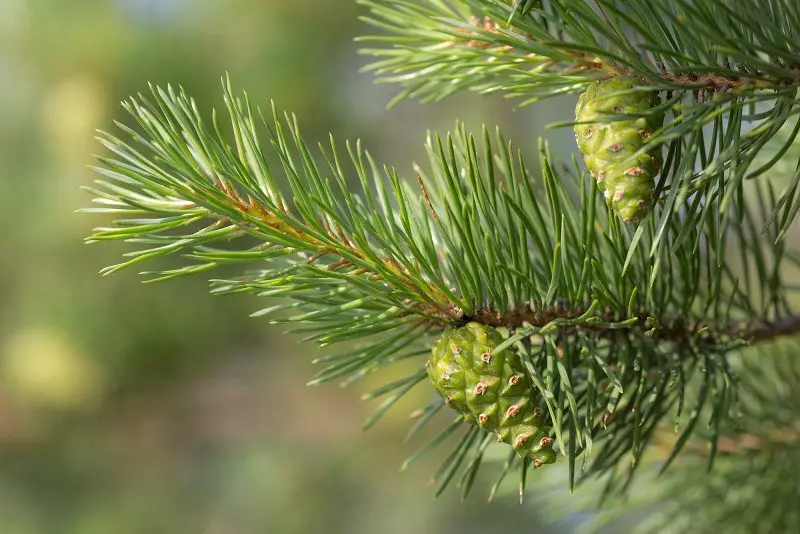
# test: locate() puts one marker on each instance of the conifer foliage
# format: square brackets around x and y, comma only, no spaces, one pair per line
[632,314]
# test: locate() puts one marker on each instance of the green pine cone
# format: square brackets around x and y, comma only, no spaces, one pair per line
[490,389]
[609,147]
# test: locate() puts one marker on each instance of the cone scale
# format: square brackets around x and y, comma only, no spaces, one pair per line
[490,389]
[627,179]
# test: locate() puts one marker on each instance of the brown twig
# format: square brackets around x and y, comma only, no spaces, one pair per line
[676,330]
[708,82]
[583,62]
[785,326]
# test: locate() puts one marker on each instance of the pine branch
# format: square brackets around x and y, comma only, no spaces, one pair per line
[671,43]
[729,87]
[193,176]
[613,325]
[683,321]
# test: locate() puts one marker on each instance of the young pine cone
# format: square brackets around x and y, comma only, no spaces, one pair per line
[491,389]
[608,148]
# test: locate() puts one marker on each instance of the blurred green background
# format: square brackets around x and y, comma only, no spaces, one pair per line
[130,408]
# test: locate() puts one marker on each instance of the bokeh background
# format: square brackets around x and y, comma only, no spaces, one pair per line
[130,408]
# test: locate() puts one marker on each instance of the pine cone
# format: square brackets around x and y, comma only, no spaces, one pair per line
[490,389]
[608,147]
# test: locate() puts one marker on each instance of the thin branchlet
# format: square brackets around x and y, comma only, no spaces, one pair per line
[581,61]
[440,305]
